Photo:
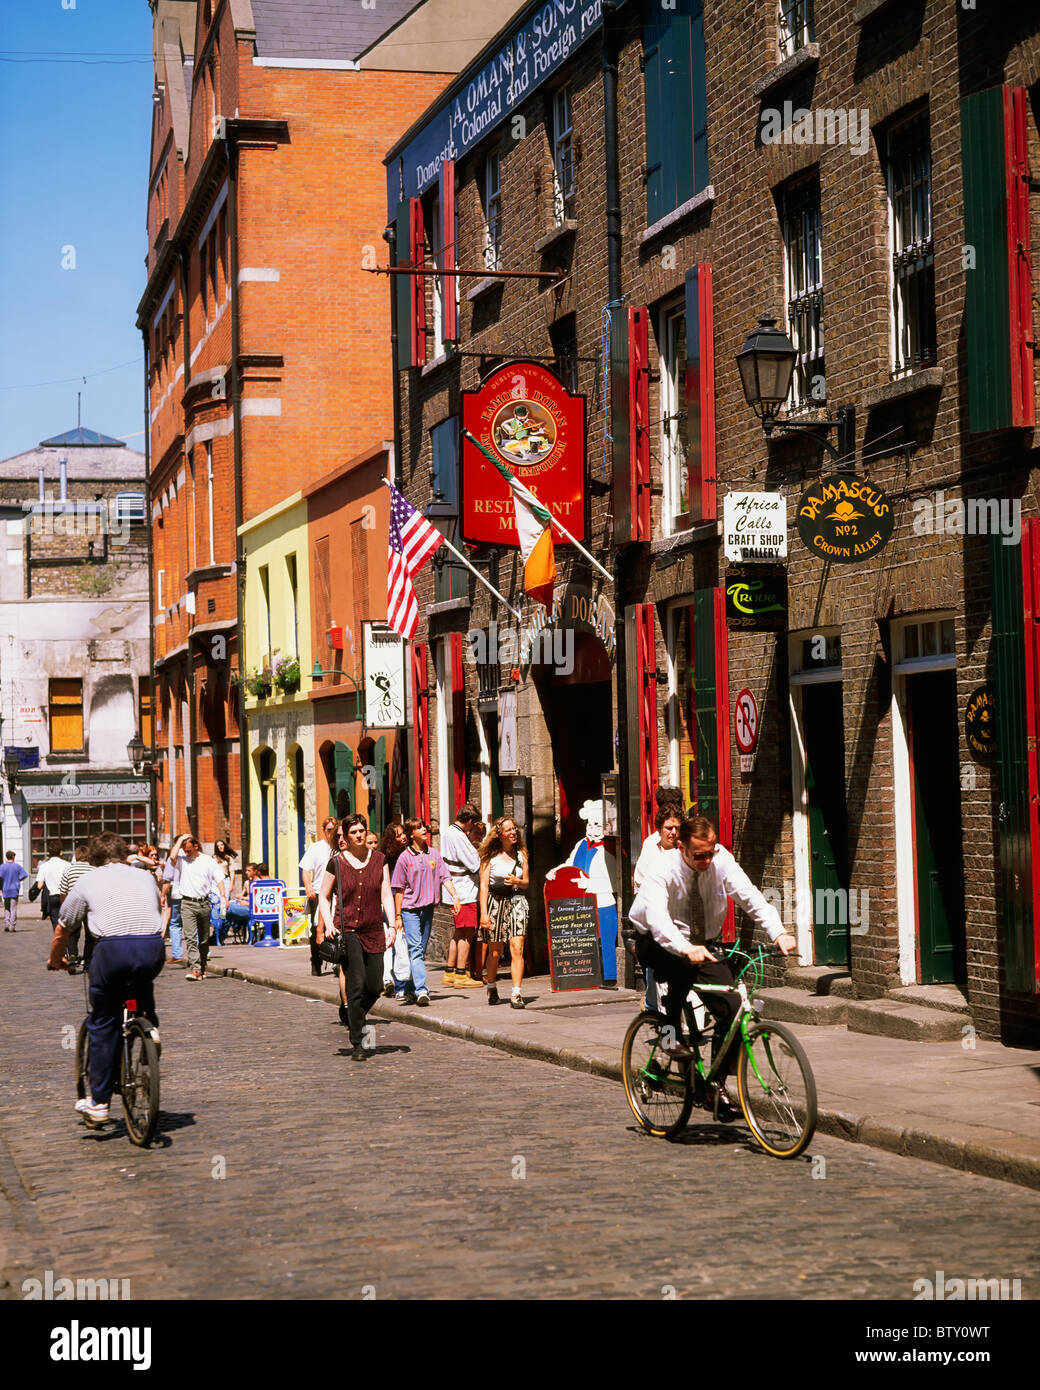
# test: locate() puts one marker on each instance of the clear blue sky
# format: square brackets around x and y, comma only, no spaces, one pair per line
[74,172]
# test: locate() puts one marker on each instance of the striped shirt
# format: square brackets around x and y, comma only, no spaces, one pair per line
[115,900]
[75,871]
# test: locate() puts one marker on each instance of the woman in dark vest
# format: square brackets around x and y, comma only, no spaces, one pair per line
[361,881]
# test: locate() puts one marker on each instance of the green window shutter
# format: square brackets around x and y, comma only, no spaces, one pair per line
[699,96]
[676,107]
[706,703]
[343,761]
[1009,677]
[377,795]
[403,285]
[654,31]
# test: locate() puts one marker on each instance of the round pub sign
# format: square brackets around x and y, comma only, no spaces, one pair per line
[980,723]
[844,518]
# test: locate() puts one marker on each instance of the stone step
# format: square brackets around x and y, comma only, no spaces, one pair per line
[787,1005]
[948,997]
[892,1018]
[820,979]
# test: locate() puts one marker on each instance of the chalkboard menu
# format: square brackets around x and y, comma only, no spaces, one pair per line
[574,955]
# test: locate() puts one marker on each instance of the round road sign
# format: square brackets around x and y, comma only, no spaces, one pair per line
[745,722]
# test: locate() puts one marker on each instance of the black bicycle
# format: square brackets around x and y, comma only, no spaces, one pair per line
[138,1083]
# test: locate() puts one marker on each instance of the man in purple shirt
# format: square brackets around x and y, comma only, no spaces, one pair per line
[418,876]
[11,876]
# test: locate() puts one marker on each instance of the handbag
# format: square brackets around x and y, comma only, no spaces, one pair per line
[334,949]
[35,891]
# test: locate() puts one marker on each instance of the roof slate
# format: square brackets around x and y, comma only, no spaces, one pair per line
[326,29]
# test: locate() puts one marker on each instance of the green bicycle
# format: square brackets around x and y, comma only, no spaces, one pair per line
[775,1082]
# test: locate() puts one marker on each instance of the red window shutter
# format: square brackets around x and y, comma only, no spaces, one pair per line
[1031,633]
[417,256]
[458,721]
[420,732]
[450,325]
[1016,160]
[646,694]
[700,393]
[639,423]
[722,725]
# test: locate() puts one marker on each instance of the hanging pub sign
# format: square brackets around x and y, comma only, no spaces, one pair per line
[524,416]
[756,599]
[754,526]
[384,676]
[844,518]
[980,723]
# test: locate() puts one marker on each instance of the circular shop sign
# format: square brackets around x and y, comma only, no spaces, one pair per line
[845,519]
[980,723]
[745,722]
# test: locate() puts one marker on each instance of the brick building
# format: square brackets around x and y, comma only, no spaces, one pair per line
[75,683]
[265,338]
[687,171]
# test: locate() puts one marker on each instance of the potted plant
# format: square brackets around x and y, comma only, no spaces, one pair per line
[258,684]
[287,675]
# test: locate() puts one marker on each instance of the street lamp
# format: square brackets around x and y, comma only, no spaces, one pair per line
[135,751]
[766,363]
[12,767]
[445,517]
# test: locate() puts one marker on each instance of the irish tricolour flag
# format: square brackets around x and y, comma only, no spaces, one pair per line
[534,528]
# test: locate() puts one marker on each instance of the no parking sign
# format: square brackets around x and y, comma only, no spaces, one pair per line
[745,729]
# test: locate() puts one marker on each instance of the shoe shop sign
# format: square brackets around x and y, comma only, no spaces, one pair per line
[754,526]
[845,519]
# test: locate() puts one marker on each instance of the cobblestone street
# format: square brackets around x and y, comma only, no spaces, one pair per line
[436,1169]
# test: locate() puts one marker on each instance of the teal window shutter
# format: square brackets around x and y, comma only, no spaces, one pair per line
[403,285]
[676,107]
[343,761]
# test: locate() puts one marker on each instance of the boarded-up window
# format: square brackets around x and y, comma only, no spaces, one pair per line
[359,572]
[322,598]
[144,698]
[66,712]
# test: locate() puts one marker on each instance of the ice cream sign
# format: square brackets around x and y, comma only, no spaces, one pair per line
[754,526]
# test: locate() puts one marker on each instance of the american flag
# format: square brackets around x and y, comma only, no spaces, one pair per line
[412,541]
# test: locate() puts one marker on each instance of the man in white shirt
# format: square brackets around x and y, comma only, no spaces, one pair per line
[460,855]
[198,875]
[49,876]
[679,912]
[312,870]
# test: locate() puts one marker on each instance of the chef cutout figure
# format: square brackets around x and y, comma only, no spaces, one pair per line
[599,869]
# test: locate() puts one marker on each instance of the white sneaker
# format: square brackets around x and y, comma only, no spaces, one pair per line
[93,1114]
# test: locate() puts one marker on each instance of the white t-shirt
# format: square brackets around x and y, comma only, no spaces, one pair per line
[199,877]
[315,861]
[505,863]
[460,855]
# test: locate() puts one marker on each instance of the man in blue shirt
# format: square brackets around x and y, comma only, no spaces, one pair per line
[11,876]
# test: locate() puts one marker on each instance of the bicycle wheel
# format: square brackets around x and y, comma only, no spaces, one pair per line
[83,1062]
[139,1083]
[658,1089]
[777,1090]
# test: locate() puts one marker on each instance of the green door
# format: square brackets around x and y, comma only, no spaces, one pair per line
[824,733]
[379,793]
[932,706]
[343,761]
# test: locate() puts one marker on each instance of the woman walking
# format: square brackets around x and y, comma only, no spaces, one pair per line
[418,877]
[397,971]
[503,907]
[361,881]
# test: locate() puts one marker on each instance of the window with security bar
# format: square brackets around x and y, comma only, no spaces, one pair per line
[797,26]
[563,156]
[913,270]
[803,272]
[492,203]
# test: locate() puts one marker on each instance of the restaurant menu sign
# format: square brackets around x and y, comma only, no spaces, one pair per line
[530,422]
[754,526]
[526,58]
[845,519]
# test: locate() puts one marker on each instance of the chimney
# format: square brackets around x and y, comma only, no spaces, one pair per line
[63,479]
[41,484]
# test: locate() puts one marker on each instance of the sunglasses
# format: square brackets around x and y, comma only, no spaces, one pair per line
[704,858]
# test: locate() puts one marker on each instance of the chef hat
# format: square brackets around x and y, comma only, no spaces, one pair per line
[592,810]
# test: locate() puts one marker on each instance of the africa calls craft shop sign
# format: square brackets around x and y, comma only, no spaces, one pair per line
[527,418]
[844,518]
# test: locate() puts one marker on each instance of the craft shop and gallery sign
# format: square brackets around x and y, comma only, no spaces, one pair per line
[845,519]
[528,57]
[526,417]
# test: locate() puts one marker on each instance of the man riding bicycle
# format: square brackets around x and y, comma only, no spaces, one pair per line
[119,906]
[678,912]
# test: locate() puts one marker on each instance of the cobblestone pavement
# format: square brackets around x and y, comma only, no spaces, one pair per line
[437,1169]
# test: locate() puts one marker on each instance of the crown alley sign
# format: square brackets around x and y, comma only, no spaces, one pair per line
[844,518]
[527,58]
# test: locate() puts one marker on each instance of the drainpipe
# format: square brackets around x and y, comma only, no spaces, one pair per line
[611,44]
[153,801]
[236,422]
[192,732]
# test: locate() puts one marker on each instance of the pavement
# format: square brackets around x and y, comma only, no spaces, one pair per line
[967,1104]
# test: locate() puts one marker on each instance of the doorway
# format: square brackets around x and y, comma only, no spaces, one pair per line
[824,733]
[578,714]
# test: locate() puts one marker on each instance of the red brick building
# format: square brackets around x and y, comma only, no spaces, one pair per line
[265,339]
[688,169]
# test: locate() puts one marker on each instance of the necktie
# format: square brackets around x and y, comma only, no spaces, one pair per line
[697,915]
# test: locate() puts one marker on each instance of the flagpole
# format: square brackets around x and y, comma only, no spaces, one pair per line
[553,521]
[473,570]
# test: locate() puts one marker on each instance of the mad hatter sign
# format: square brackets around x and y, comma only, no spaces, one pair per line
[844,518]
[526,417]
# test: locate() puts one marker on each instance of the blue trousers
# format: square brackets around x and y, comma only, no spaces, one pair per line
[418,923]
[608,941]
[121,968]
[176,939]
